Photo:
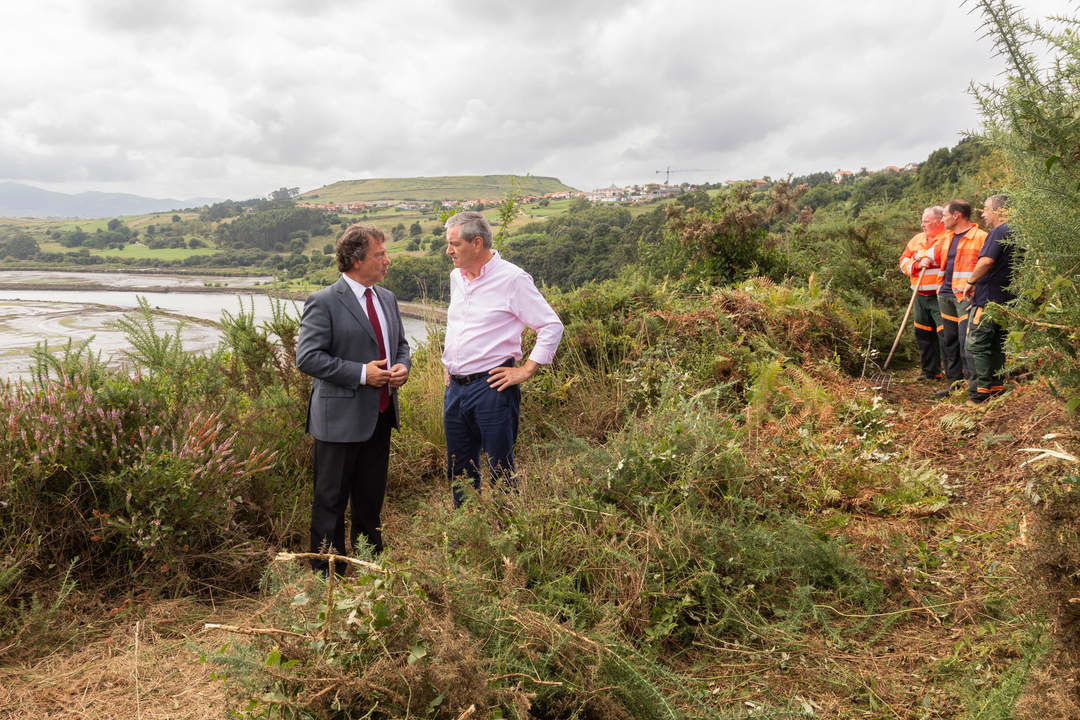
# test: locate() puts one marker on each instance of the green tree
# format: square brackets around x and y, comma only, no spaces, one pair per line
[720,244]
[221,210]
[578,204]
[74,238]
[284,194]
[415,229]
[419,278]
[271,228]
[20,246]
[574,249]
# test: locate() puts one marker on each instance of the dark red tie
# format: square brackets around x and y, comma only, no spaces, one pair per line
[384,391]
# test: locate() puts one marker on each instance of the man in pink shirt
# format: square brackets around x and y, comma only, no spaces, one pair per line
[491,302]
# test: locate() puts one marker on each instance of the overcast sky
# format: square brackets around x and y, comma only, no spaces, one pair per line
[229,98]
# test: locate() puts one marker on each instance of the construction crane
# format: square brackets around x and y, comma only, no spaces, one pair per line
[667,172]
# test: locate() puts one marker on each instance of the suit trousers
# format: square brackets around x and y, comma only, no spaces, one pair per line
[352,473]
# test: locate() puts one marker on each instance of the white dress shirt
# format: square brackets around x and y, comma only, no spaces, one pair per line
[360,291]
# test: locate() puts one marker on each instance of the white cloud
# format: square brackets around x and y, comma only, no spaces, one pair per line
[210,98]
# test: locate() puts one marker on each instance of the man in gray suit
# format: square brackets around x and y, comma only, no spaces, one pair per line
[353,344]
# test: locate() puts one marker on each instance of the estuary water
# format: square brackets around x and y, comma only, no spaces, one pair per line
[57,313]
[126,280]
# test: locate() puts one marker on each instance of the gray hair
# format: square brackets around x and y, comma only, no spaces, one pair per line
[473,225]
[936,210]
[998,202]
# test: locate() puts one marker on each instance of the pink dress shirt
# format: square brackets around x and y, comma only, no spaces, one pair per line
[488,314]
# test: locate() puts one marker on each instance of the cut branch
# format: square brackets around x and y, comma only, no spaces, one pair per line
[327,556]
[254,631]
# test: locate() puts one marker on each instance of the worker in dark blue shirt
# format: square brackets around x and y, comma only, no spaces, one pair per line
[989,282]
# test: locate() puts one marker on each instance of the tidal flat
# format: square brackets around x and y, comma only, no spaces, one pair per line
[56,313]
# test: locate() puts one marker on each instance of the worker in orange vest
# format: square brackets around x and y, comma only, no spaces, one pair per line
[959,249]
[920,257]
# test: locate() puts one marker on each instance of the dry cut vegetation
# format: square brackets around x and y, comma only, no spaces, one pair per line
[717,518]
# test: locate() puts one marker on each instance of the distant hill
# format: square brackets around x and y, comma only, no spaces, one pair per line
[19,200]
[458,187]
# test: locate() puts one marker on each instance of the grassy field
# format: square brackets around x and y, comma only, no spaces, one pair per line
[140,251]
[137,251]
[462,187]
[39,226]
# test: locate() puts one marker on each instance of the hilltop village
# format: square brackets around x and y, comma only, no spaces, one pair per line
[627,194]
[614,194]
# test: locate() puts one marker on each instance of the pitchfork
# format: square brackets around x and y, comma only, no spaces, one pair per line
[883,379]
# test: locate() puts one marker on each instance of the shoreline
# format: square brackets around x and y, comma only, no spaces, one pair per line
[418,311]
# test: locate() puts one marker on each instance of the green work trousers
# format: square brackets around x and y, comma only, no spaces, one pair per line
[954,314]
[927,329]
[986,343]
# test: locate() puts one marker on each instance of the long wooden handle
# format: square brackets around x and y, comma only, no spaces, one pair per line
[903,323]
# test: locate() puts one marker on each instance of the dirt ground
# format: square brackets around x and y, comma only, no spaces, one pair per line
[145,669]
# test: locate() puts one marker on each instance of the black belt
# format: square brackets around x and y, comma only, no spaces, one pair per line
[466,379]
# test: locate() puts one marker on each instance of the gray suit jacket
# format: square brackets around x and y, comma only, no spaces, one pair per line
[336,340]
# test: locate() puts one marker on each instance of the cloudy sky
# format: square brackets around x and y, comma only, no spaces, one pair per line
[230,98]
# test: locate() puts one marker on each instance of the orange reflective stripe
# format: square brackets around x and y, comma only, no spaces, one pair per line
[940,328]
[996,388]
[978,315]
[984,390]
[928,328]
[950,317]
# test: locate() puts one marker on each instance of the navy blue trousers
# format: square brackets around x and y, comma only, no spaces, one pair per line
[478,418]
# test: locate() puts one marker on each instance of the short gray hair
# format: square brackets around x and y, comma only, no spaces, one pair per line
[998,202]
[936,210]
[473,225]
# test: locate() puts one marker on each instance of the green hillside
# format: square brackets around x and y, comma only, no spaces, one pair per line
[455,187]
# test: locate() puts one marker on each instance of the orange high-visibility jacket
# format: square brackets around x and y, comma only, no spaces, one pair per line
[967,254]
[919,247]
